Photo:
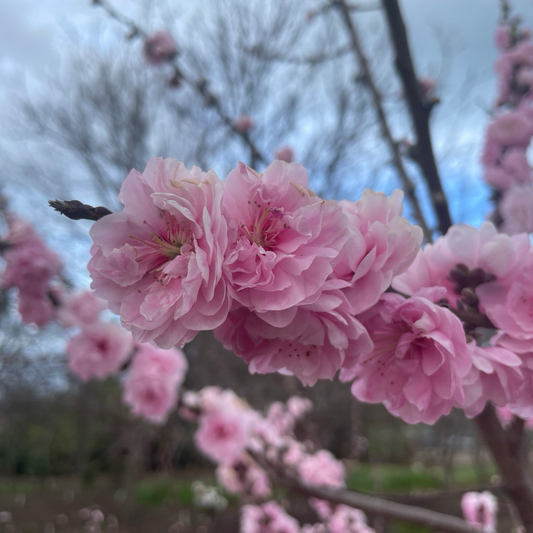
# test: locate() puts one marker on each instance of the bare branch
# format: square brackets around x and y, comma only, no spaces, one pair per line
[420,109]
[370,504]
[368,78]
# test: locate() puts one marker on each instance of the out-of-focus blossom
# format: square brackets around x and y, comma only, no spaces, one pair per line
[159,48]
[244,124]
[151,388]
[516,210]
[80,309]
[99,350]
[322,468]
[267,518]
[244,477]
[480,509]
[285,153]
[159,262]
[502,37]
[298,407]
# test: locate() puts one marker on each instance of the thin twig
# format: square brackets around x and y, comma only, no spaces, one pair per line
[368,78]
[201,86]
[370,504]
[420,109]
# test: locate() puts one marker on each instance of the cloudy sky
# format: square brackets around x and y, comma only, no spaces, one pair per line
[36,34]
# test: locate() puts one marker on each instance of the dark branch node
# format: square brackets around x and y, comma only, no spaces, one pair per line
[76,210]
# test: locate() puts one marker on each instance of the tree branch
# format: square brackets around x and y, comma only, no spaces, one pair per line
[370,504]
[367,77]
[420,109]
[201,86]
[509,451]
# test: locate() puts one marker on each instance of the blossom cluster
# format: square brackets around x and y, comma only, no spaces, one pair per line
[508,136]
[95,348]
[31,267]
[279,273]
[238,438]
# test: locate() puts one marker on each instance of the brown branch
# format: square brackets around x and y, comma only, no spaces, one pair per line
[370,504]
[367,77]
[509,451]
[75,210]
[201,85]
[420,109]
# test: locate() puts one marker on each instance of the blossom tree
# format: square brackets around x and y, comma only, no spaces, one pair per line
[300,285]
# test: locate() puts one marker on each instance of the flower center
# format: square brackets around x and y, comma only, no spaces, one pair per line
[267,224]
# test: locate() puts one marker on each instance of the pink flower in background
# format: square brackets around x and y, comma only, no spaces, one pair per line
[419,360]
[159,262]
[512,128]
[151,388]
[322,468]
[80,309]
[479,509]
[36,307]
[298,407]
[287,237]
[502,37]
[99,350]
[516,210]
[285,153]
[159,48]
[310,341]
[505,415]
[495,376]
[267,518]
[348,520]
[512,169]
[244,124]
[244,477]
[381,244]
[30,265]
[223,433]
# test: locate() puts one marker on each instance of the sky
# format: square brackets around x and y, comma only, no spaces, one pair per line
[35,37]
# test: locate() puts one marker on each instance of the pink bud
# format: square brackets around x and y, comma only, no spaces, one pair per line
[244,124]
[159,48]
[285,153]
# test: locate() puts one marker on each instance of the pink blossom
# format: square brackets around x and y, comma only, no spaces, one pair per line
[348,520]
[99,350]
[159,262]
[280,418]
[481,254]
[36,307]
[322,468]
[516,210]
[381,244]
[287,236]
[310,341]
[159,48]
[244,477]
[512,169]
[80,309]
[505,415]
[508,302]
[244,124]
[298,407]
[427,85]
[285,153]
[512,128]
[151,388]
[502,37]
[479,509]
[30,265]
[495,376]
[223,434]
[522,53]
[420,357]
[267,518]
